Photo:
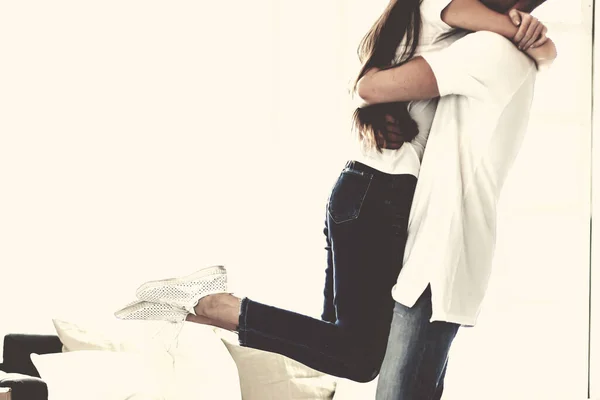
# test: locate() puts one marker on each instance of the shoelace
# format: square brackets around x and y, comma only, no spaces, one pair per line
[174,336]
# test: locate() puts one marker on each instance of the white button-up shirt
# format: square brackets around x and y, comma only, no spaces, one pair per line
[487,88]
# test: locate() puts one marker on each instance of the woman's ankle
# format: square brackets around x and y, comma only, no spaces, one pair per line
[198,319]
[213,305]
[206,305]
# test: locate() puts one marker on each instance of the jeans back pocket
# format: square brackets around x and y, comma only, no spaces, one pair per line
[348,195]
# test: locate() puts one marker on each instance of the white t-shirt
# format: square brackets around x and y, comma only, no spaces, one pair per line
[435,34]
[487,88]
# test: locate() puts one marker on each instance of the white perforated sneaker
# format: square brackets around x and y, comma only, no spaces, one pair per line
[145,310]
[185,292]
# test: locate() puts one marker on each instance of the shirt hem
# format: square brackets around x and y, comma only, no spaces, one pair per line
[401,168]
[407,295]
[462,320]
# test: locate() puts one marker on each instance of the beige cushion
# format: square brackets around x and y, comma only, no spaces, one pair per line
[270,376]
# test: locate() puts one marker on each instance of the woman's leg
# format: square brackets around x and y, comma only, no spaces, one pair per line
[226,308]
[366,228]
[328,313]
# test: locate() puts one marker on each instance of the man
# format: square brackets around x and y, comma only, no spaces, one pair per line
[486,84]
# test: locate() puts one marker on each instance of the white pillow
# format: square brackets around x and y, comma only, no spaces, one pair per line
[204,369]
[115,335]
[202,366]
[102,375]
[75,337]
[271,376]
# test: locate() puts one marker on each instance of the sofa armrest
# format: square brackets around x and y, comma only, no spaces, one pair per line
[24,387]
[18,348]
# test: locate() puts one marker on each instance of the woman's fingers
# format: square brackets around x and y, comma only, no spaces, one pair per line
[393,128]
[536,34]
[531,32]
[380,139]
[391,138]
[515,16]
[531,35]
[388,141]
[542,39]
[532,24]
[523,27]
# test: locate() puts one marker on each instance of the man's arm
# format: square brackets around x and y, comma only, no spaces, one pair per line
[528,5]
[473,15]
[504,6]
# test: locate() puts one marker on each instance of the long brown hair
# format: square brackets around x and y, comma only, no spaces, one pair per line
[401,20]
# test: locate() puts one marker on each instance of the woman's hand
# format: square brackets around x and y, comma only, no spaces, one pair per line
[391,138]
[531,33]
[531,38]
[543,55]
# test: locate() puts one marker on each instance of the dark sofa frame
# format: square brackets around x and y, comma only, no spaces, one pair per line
[23,379]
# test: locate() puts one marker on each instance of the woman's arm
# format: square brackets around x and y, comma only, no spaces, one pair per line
[543,55]
[415,80]
[473,15]
[504,6]
[527,5]
[520,10]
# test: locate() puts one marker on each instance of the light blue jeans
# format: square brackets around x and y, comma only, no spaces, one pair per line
[416,358]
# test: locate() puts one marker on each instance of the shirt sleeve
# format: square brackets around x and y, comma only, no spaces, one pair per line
[431,11]
[423,112]
[482,65]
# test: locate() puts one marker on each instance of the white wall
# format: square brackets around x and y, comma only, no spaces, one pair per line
[595,243]
[532,339]
[147,139]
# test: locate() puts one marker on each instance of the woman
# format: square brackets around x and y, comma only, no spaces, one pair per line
[366,223]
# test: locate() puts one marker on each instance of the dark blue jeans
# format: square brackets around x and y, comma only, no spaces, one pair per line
[366,229]
[417,354]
